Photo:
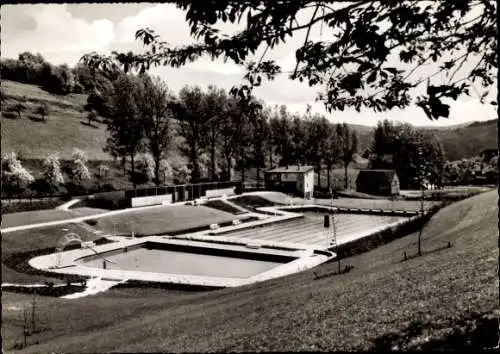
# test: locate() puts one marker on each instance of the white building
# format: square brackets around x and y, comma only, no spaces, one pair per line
[291,179]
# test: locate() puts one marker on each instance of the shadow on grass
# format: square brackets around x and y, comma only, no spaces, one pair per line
[477,333]
[89,124]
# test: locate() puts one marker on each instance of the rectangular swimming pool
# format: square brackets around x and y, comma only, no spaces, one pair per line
[211,262]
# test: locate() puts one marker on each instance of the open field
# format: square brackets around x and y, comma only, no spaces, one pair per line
[163,220]
[381,303]
[35,217]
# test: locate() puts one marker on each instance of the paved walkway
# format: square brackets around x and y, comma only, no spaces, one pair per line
[67,205]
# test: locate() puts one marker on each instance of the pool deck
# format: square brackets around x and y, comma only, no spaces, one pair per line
[307,254]
[68,263]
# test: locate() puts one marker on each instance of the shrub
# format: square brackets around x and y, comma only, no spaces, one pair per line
[108,200]
[15,177]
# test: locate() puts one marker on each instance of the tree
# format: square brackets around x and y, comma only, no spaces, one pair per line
[299,130]
[395,146]
[249,110]
[260,140]
[166,171]
[14,176]
[183,174]
[19,108]
[79,170]
[154,100]
[316,136]
[52,171]
[280,135]
[188,111]
[216,106]
[348,142]
[231,142]
[125,127]
[43,111]
[145,170]
[331,150]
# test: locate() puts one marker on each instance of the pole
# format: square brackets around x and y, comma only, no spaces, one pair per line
[421,179]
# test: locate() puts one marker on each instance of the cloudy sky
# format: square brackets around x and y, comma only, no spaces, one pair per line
[63,33]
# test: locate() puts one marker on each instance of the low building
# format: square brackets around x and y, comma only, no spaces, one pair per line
[378,182]
[291,180]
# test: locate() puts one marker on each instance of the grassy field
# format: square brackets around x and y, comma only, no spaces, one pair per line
[163,220]
[437,300]
[35,217]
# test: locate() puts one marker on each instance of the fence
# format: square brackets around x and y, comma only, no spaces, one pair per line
[183,192]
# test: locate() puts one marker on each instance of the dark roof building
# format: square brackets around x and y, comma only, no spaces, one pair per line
[378,182]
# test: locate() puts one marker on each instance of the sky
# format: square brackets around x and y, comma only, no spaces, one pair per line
[62,33]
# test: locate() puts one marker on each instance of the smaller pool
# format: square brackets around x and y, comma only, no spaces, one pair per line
[187,260]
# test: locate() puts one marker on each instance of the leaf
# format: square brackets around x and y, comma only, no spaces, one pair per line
[371,78]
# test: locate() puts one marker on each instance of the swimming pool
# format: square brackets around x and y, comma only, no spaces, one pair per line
[187,260]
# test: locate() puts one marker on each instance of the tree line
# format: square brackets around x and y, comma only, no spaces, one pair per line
[221,133]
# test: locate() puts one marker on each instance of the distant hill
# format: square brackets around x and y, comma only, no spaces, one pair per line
[460,141]
[469,140]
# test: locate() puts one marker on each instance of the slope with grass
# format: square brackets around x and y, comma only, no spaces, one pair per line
[382,303]
[65,128]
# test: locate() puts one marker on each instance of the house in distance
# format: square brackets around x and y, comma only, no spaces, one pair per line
[295,179]
[378,182]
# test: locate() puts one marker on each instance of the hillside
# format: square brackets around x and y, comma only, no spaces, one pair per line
[470,140]
[427,302]
[67,128]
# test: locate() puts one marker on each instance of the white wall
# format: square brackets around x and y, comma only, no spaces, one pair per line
[309,182]
[152,200]
[211,193]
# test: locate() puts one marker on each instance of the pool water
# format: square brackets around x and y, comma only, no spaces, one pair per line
[183,263]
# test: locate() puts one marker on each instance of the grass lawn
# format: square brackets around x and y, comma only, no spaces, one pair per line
[223,206]
[163,220]
[382,303]
[34,217]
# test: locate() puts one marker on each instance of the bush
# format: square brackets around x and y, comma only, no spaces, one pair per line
[107,200]
[29,206]
[91,222]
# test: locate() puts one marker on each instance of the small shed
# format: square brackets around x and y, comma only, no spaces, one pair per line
[295,179]
[378,182]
